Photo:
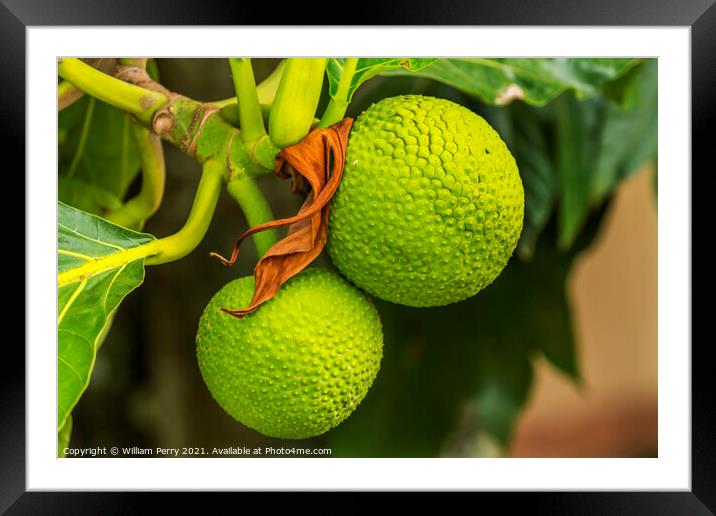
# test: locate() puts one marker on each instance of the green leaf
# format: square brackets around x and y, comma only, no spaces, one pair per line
[153,69]
[69,121]
[534,81]
[63,437]
[108,161]
[599,144]
[368,68]
[629,137]
[525,131]
[573,154]
[86,304]
[86,196]
[503,390]
[620,89]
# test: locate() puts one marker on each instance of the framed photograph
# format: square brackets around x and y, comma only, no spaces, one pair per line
[449,252]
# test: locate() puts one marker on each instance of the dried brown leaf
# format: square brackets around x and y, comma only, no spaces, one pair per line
[308,160]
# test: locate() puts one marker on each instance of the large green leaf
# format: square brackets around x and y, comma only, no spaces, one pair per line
[527,134]
[105,158]
[575,153]
[367,68]
[630,135]
[599,143]
[534,81]
[86,304]
[572,154]
[85,196]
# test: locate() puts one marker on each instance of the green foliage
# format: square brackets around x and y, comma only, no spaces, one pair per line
[528,137]
[368,68]
[534,81]
[86,196]
[572,154]
[95,171]
[629,135]
[86,304]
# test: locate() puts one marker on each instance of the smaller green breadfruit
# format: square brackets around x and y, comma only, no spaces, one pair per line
[430,206]
[300,364]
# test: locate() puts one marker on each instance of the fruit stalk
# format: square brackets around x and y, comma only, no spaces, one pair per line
[338,104]
[250,118]
[296,100]
[188,237]
[257,211]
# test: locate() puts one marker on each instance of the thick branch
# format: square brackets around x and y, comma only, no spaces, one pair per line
[140,102]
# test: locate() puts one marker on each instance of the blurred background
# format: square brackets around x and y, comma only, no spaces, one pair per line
[557,358]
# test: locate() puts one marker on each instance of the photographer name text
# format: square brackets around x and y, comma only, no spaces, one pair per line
[231,451]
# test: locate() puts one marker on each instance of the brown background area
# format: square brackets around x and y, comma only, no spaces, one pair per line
[613,292]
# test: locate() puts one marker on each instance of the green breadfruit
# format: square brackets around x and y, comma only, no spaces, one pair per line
[430,206]
[301,363]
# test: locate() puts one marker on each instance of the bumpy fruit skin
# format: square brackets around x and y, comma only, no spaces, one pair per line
[301,363]
[431,203]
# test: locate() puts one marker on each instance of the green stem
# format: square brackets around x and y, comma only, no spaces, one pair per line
[338,104]
[166,249]
[138,209]
[296,100]
[250,118]
[265,152]
[83,139]
[187,238]
[136,100]
[257,211]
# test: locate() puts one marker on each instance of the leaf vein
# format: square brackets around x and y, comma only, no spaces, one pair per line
[80,235]
[71,368]
[77,255]
[71,300]
[109,287]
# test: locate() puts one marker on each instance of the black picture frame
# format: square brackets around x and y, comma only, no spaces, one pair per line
[700,15]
